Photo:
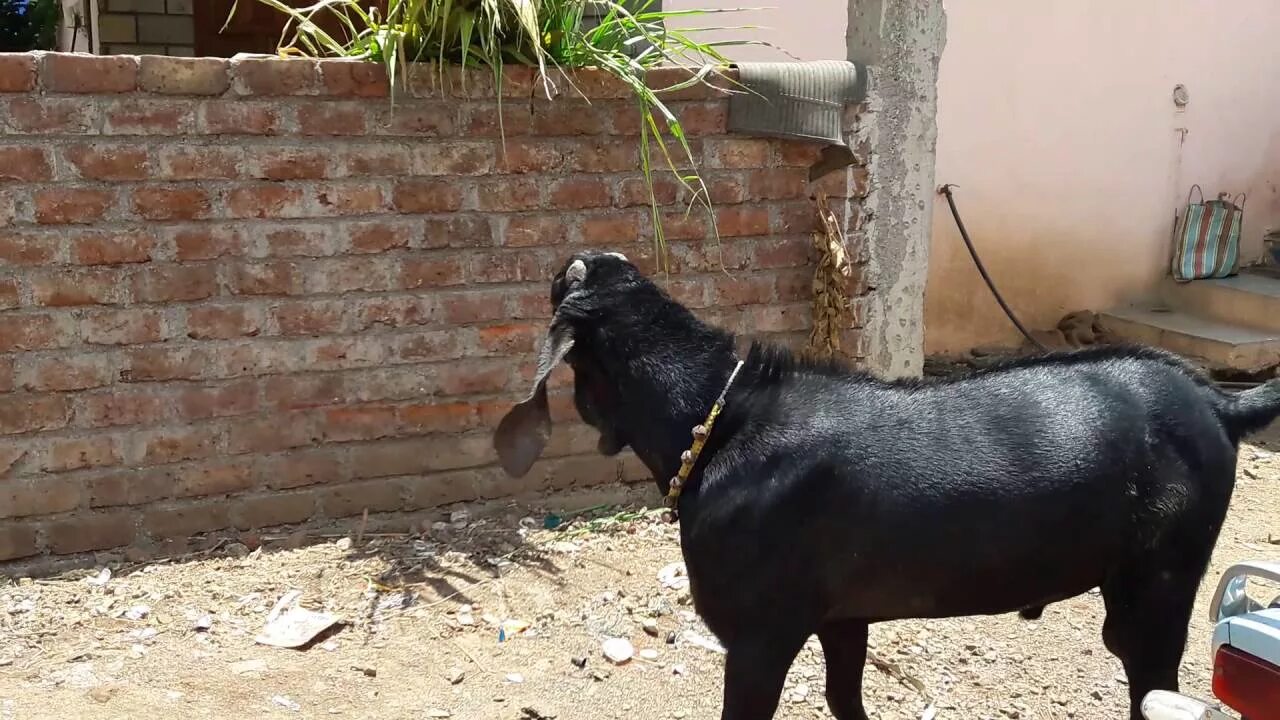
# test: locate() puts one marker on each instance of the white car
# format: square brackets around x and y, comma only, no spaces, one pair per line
[1246,654]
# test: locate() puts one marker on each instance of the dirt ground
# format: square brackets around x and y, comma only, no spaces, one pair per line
[176,637]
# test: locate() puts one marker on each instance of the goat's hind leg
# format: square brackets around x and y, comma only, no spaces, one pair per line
[1148,610]
[844,644]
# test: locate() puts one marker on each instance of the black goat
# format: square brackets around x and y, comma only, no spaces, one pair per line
[826,499]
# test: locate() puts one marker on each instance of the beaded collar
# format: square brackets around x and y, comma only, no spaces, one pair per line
[690,456]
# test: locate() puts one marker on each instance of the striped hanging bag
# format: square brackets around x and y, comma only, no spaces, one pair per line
[1207,244]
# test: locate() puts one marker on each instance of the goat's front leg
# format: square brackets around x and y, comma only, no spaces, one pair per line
[844,643]
[755,672]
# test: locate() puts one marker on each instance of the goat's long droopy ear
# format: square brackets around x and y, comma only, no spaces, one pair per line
[524,432]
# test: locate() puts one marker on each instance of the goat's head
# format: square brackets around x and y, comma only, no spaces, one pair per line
[590,291]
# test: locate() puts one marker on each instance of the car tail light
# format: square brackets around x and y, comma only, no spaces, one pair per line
[1246,684]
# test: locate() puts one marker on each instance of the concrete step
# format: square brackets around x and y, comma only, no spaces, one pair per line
[1250,299]
[1217,343]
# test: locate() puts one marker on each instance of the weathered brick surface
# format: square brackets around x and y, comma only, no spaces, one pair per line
[238,294]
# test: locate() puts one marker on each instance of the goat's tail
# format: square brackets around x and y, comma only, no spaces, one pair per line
[1250,411]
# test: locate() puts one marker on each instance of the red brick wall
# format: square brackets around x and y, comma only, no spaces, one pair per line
[241,295]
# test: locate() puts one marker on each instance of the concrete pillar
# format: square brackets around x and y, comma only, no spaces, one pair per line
[902,41]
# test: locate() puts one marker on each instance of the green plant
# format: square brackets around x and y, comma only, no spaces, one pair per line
[27,25]
[551,35]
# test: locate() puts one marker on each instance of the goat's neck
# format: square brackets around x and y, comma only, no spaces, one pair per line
[670,388]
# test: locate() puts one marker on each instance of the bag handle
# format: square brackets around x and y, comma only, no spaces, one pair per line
[1195,189]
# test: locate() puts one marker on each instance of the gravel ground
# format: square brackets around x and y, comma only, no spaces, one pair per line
[421,615]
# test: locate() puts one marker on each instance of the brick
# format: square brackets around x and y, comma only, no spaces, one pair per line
[229,400]
[477,376]
[372,160]
[605,156]
[153,364]
[377,237]
[171,203]
[183,76]
[471,307]
[781,253]
[427,272]
[531,156]
[331,119]
[162,447]
[350,198]
[534,230]
[290,164]
[621,230]
[8,209]
[459,231]
[701,119]
[272,433]
[17,73]
[17,540]
[387,459]
[448,417]
[69,205]
[175,283]
[107,248]
[509,339]
[348,352]
[633,192]
[480,120]
[100,74]
[64,455]
[148,117]
[354,78]
[301,468]
[742,221]
[47,116]
[266,201]
[401,382]
[252,513]
[212,478]
[570,116]
[25,164]
[528,304]
[273,76]
[795,218]
[743,290]
[9,296]
[222,322]
[128,487]
[580,193]
[426,196]
[120,408]
[35,332]
[44,496]
[296,392]
[359,422]
[121,327]
[365,273]
[454,158]
[797,153]
[728,190]
[187,520]
[794,285]
[738,153]
[228,117]
[106,162]
[417,120]
[353,499]
[393,312]
[90,532]
[300,241]
[777,183]
[308,317]
[6,374]
[33,413]
[504,194]
[428,345]
[78,287]
[509,266]
[269,278]
[207,243]
[80,371]
[179,162]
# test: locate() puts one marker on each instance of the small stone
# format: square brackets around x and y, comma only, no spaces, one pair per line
[466,619]
[202,623]
[438,713]
[679,670]
[580,662]
[515,678]
[618,651]
[137,612]
[1097,695]
[671,638]
[455,676]
[237,550]
[650,627]
[343,544]
[648,654]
